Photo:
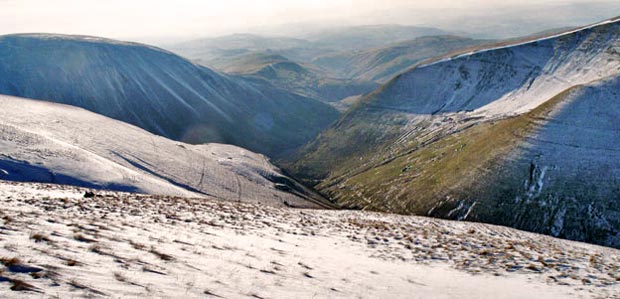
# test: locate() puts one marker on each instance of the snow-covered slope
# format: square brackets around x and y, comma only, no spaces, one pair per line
[564,178]
[507,80]
[54,242]
[47,142]
[158,91]
[507,135]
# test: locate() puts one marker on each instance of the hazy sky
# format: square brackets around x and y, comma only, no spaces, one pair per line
[143,19]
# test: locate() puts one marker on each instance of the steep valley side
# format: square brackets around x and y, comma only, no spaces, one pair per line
[526,137]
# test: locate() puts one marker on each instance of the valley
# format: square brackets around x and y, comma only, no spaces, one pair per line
[158,91]
[339,158]
[507,139]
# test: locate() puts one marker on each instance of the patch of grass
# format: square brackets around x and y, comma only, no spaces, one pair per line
[137,246]
[161,255]
[7,219]
[72,263]
[81,286]
[22,286]
[84,239]
[97,249]
[120,277]
[39,237]
[415,181]
[8,262]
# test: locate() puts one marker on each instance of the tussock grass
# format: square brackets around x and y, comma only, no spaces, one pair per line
[22,286]
[72,263]
[40,237]
[161,255]
[84,239]
[8,262]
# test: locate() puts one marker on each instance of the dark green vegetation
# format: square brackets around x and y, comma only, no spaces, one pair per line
[414,178]
[491,171]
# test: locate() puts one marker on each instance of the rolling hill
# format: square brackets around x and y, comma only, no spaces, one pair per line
[384,63]
[217,51]
[300,79]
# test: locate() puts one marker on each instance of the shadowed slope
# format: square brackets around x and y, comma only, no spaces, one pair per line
[158,91]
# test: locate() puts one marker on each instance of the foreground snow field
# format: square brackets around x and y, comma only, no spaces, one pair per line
[54,242]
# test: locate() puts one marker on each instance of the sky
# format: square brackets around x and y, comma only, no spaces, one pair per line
[153,19]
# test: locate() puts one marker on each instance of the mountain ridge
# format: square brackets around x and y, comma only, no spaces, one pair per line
[410,132]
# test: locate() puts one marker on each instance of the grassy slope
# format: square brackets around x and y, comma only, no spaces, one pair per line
[417,179]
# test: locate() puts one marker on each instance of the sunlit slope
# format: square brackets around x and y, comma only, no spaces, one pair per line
[53,143]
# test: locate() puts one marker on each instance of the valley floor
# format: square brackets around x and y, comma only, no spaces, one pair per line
[56,243]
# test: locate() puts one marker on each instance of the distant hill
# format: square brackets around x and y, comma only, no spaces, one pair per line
[213,51]
[357,38]
[328,65]
[159,91]
[384,63]
[294,77]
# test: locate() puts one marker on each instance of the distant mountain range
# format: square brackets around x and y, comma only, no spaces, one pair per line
[358,38]
[300,79]
[329,65]
[523,135]
[159,91]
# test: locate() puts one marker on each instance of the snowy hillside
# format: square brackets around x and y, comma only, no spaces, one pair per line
[564,178]
[47,142]
[57,243]
[520,135]
[158,91]
[507,80]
